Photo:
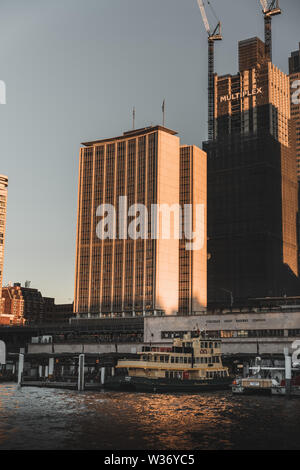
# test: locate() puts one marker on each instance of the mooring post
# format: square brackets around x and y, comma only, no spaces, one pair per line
[51,366]
[20,368]
[81,373]
[102,375]
[288,371]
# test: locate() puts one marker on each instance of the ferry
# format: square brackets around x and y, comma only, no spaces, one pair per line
[267,380]
[192,364]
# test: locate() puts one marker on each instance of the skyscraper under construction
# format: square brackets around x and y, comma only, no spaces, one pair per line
[252,183]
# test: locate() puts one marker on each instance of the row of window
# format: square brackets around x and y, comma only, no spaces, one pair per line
[267,333]
[209,375]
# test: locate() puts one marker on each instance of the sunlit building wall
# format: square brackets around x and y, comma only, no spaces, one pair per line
[193,263]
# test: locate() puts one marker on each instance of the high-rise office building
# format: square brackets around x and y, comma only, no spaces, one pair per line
[3,205]
[252,184]
[294,70]
[13,306]
[123,274]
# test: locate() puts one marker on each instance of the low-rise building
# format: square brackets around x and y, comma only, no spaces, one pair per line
[12,306]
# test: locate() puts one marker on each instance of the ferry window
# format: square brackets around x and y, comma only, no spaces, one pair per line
[172,359]
[176,360]
[210,345]
[162,358]
[185,360]
[202,345]
[167,358]
[181,360]
[189,360]
[216,345]
[217,359]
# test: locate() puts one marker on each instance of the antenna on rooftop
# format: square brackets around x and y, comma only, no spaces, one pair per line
[163,108]
[133,118]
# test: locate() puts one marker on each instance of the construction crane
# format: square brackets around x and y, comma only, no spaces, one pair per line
[213,35]
[270,9]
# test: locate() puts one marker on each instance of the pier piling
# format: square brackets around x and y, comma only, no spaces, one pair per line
[81,373]
[102,375]
[20,368]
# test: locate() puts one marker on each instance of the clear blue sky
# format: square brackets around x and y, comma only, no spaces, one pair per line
[74,69]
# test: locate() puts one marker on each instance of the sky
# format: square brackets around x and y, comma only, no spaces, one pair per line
[74,69]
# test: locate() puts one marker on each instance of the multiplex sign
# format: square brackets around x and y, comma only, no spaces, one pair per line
[244,94]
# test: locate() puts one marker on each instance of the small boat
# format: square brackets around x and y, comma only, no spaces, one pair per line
[261,381]
[192,364]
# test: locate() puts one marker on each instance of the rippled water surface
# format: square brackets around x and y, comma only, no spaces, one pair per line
[33,418]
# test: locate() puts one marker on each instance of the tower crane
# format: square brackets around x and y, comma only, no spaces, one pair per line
[213,35]
[270,9]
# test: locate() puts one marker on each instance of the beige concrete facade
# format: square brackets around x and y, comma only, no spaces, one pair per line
[3,205]
[241,333]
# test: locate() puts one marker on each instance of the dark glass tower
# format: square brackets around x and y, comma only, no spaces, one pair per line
[252,183]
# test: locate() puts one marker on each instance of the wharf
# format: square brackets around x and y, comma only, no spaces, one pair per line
[61,385]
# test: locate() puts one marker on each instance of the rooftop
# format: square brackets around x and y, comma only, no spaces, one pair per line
[132,133]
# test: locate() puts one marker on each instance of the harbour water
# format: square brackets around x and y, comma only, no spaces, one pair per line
[34,418]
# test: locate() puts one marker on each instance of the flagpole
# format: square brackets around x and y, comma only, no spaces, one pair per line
[163,111]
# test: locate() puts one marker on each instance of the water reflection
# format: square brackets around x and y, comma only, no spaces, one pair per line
[55,419]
